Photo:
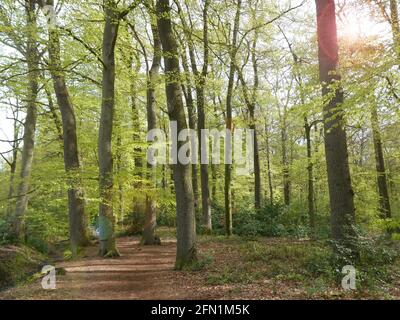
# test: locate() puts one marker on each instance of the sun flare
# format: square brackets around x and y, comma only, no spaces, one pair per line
[357,26]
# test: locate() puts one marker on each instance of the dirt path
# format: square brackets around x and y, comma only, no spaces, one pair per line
[142,272]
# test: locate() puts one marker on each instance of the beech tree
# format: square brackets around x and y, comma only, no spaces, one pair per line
[340,189]
[185,218]
[77,224]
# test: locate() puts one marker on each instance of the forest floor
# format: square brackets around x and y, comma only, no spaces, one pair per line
[227,269]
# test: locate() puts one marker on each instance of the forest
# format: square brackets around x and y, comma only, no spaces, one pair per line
[185,149]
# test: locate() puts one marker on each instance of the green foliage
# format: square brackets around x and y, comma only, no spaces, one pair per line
[4,231]
[46,225]
[167,211]
[270,221]
[200,263]
[375,256]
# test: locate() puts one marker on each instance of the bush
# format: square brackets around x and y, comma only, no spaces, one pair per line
[4,231]
[270,221]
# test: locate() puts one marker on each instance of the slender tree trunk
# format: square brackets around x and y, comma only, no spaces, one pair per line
[151,218]
[285,158]
[186,228]
[307,130]
[32,58]
[138,152]
[118,168]
[257,170]
[200,91]
[394,17]
[214,183]
[229,122]
[54,114]
[339,180]
[13,166]
[192,124]
[310,172]
[269,172]
[200,82]
[106,216]
[384,200]
[76,202]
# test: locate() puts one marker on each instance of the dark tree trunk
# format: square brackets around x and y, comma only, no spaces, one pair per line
[384,200]
[54,114]
[149,237]
[269,172]
[192,125]
[200,88]
[13,166]
[339,180]
[394,17]
[229,121]
[136,123]
[106,217]
[285,158]
[186,228]
[32,58]
[310,172]
[76,202]
[200,81]
[252,106]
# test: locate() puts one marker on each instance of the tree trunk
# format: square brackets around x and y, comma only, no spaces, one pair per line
[285,160]
[384,200]
[267,143]
[76,202]
[13,166]
[192,124]
[186,228]
[136,123]
[32,58]
[339,180]
[200,88]
[394,17]
[310,172]
[257,171]
[200,81]
[229,122]
[149,237]
[106,217]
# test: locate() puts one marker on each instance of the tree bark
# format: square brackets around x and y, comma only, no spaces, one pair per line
[76,202]
[310,172]
[32,58]
[229,122]
[339,180]
[285,157]
[192,124]
[186,228]
[149,237]
[106,217]
[13,165]
[257,169]
[394,17]
[384,200]
[269,171]
[200,91]
[200,82]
